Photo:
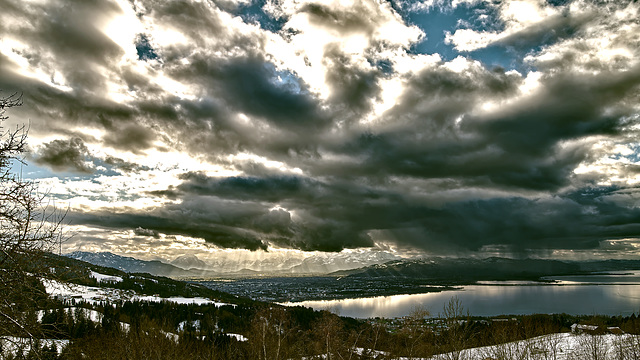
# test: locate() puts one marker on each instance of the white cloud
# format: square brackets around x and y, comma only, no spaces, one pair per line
[609,42]
[469,40]
[305,51]
[515,15]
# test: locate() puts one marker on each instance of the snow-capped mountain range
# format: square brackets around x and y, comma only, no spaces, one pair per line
[278,263]
[128,264]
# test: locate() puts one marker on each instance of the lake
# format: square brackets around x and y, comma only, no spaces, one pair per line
[606,294]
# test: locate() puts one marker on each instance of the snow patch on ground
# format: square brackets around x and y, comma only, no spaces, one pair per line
[237,337]
[180,300]
[88,314]
[184,324]
[106,278]
[559,346]
[89,294]
[96,295]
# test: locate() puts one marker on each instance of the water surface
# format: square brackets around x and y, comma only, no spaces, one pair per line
[607,294]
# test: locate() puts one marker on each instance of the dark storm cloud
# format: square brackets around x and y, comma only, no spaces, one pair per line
[74,156]
[423,138]
[335,215]
[435,97]
[251,86]
[560,222]
[323,210]
[271,189]
[283,116]
[352,88]
[572,106]
[130,137]
[319,207]
[123,165]
[222,223]
[517,146]
[63,155]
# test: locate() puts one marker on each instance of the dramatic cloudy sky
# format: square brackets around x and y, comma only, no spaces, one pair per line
[463,127]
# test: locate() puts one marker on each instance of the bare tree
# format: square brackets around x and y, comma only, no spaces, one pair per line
[456,335]
[413,332]
[549,345]
[329,333]
[627,347]
[506,347]
[270,330]
[28,231]
[373,336]
[592,347]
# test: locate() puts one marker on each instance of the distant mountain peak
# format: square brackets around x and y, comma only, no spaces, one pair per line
[128,264]
[189,261]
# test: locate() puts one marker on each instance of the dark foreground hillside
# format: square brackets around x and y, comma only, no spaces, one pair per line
[109,314]
[150,330]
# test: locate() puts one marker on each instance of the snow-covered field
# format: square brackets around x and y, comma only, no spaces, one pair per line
[88,314]
[107,278]
[559,346]
[96,295]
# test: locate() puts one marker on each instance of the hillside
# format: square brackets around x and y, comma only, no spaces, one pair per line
[83,273]
[452,271]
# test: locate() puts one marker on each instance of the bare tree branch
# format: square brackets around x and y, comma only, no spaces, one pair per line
[29,231]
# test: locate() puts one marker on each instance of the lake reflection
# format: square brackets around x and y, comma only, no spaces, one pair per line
[489,300]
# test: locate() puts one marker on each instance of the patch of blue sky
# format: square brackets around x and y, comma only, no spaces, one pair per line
[590,193]
[558,2]
[437,21]
[284,79]
[34,172]
[254,13]
[30,172]
[144,49]
[384,65]
[634,157]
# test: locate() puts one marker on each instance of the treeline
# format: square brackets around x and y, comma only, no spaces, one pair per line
[148,330]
